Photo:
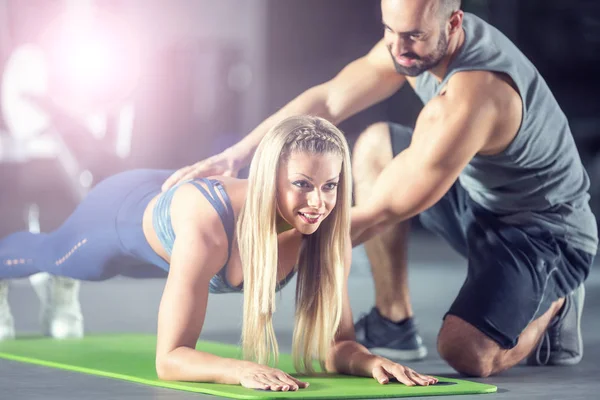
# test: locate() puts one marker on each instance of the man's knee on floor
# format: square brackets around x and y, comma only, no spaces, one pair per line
[372,150]
[467,349]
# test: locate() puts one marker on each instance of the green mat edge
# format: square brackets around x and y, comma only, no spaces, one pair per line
[217,392]
[91,371]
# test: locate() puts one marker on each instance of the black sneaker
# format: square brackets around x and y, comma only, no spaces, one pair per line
[562,344]
[396,341]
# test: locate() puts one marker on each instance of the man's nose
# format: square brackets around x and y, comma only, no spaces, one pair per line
[399,47]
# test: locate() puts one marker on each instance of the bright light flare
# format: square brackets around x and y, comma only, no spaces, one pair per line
[90,62]
[94,63]
[25,76]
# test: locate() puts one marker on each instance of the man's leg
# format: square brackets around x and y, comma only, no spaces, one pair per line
[471,352]
[522,285]
[386,252]
[389,329]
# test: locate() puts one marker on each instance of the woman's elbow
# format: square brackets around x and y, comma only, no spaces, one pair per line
[164,368]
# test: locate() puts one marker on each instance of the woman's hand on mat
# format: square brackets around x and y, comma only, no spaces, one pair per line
[383,370]
[257,376]
[227,163]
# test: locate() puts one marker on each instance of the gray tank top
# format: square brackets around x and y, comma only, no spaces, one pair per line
[539,178]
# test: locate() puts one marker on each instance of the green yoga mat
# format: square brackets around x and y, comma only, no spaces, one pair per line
[131,357]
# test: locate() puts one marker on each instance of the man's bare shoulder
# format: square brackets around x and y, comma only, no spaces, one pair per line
[482,86]
[486,93]
[468,97]
[471,92]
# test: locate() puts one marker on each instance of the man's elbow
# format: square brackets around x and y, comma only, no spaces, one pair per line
[416,200]
[376,229]
[326,103]
[386,218]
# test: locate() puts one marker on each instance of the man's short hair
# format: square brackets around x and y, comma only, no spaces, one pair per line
[447,7]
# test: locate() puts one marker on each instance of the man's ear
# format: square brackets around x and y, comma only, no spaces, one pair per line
[456,20]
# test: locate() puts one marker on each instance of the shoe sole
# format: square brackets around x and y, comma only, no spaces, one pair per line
[575,360]
[400,355]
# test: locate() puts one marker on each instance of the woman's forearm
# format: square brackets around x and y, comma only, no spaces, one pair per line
[351,358]
[187,364]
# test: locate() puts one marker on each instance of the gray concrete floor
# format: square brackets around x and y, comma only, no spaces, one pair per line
[125,305]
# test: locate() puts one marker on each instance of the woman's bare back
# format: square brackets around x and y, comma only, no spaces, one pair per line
[188,199]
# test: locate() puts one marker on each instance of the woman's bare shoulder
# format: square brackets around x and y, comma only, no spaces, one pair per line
[191,210]
[236,190]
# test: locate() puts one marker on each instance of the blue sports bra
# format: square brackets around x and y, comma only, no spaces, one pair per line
[161,221]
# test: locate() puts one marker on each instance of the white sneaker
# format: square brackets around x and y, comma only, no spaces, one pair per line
[60,311]
[7,323]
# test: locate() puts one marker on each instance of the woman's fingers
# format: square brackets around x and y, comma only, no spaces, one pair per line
[415,377]
[293,383]
[270,383]
[274,380]
[420,377]
[301,384]
[401,373]
[381,376]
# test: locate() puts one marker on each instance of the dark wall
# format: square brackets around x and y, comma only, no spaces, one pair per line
[310,41]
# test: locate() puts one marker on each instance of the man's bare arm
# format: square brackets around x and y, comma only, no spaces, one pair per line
[362,83]
[450,130]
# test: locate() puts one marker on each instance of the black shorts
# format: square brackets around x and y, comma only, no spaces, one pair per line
[514,272]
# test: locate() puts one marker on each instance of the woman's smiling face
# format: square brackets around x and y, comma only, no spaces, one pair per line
[307,189]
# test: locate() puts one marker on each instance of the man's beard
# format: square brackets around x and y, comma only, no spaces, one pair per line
[425,63]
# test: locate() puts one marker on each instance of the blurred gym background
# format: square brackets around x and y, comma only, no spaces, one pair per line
[92,87]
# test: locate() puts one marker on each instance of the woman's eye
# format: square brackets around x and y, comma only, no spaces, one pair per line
[331,186]
[301,184]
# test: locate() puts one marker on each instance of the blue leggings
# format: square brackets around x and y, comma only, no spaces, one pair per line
[103,237]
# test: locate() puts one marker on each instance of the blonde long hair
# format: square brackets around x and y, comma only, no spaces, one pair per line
[320,263]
